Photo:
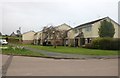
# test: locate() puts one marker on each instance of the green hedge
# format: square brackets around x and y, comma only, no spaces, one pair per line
[105,44]
[11,40]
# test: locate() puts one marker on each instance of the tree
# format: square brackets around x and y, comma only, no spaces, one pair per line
[0,34]
[50,33]
[18,32]
[63,35]
[106,29]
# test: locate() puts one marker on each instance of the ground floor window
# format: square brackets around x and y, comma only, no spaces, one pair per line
[88,40]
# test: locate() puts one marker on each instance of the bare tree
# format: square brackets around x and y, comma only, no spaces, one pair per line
[50,33]
[54,34]
[18,32]
[63,35]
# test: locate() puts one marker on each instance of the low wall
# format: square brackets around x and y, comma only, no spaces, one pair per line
[27,42]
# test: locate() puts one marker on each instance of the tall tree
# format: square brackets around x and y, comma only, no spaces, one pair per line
[106,29]
[0,34]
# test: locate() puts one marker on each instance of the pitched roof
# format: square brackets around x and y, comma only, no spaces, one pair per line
[62,25]
[92,22]
[28,32]
[38,32]
[13,34]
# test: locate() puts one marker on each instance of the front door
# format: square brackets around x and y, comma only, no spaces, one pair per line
[82,41]
[76,42]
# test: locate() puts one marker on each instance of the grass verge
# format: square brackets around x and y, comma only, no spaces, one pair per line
[73,50]
[9,50]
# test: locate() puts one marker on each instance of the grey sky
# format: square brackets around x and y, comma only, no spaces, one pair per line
[35,14]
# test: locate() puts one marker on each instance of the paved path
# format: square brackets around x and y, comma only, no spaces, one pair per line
[65,56]
[0,65]
[31,66]
[6,65]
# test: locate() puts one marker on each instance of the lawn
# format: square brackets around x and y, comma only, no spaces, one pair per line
[73,50]
[18,51]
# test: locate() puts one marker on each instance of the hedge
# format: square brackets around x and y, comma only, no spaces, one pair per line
[105,44]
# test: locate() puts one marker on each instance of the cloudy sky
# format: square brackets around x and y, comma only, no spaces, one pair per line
[35,14]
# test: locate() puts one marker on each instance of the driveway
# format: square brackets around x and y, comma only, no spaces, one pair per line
[31,66]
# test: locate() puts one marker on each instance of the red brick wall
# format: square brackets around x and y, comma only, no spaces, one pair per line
[27,41]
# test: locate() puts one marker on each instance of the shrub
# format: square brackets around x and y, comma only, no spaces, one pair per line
[12,40]
[87,46]
[116,44]
[71,43]
[105,44]
[44,43]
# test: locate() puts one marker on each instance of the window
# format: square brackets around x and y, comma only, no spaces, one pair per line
[76,30]
[88,28]
[80,29]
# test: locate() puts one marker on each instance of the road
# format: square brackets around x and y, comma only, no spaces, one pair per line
[31,66]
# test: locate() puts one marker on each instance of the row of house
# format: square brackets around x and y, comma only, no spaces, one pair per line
[66,35]
[48,36]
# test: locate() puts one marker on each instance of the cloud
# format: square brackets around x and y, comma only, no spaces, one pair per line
[33,15]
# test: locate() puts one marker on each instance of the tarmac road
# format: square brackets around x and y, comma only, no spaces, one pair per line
[31,66]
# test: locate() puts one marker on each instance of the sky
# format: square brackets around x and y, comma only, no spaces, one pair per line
[35,14]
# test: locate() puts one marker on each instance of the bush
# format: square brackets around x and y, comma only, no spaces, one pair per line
[116,44]
[105,44]
[12,40]
[44,43]
[71,43]
[87,46]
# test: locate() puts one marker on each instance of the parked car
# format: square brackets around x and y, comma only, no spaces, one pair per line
[3,42]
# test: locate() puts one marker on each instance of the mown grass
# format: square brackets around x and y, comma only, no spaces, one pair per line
[73,50]
[19,51]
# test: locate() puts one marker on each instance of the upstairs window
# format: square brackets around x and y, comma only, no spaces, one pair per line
[88,28]
[76,30]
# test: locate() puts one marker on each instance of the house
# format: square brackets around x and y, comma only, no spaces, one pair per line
[63,27]
[51,35]
[13,34]
[38,38]
[28,37]
[84,33]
